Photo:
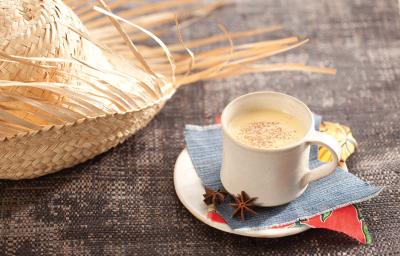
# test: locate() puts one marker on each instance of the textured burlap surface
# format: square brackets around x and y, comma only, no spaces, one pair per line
[123,202]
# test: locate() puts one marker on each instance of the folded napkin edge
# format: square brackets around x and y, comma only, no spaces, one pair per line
[201,127]
[313,215]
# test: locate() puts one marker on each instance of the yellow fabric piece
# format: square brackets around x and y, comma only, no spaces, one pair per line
[344,137]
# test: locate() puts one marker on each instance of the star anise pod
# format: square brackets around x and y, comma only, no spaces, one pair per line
[242,205]
[214,197]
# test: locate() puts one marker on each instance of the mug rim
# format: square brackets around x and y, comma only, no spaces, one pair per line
[285,148]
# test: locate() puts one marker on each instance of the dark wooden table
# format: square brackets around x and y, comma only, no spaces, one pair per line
[123,202]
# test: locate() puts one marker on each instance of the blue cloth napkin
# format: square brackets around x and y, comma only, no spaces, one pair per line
[339,189]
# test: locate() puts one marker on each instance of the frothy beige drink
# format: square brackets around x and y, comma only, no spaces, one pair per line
[266,138]
[266,128]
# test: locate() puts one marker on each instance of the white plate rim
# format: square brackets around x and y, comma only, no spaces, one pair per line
[185,177]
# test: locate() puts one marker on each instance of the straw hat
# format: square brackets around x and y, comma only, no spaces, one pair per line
[73,87]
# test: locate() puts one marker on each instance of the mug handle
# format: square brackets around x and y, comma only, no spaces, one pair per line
[325,169]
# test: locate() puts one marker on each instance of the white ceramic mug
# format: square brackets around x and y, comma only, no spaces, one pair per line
[274,176]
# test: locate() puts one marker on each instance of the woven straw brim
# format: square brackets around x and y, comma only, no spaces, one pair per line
[70,90]
[59,147]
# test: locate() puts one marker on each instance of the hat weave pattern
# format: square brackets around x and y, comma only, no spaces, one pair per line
[74,83]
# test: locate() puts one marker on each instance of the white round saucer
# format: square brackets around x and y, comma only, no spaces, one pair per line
[190,191]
